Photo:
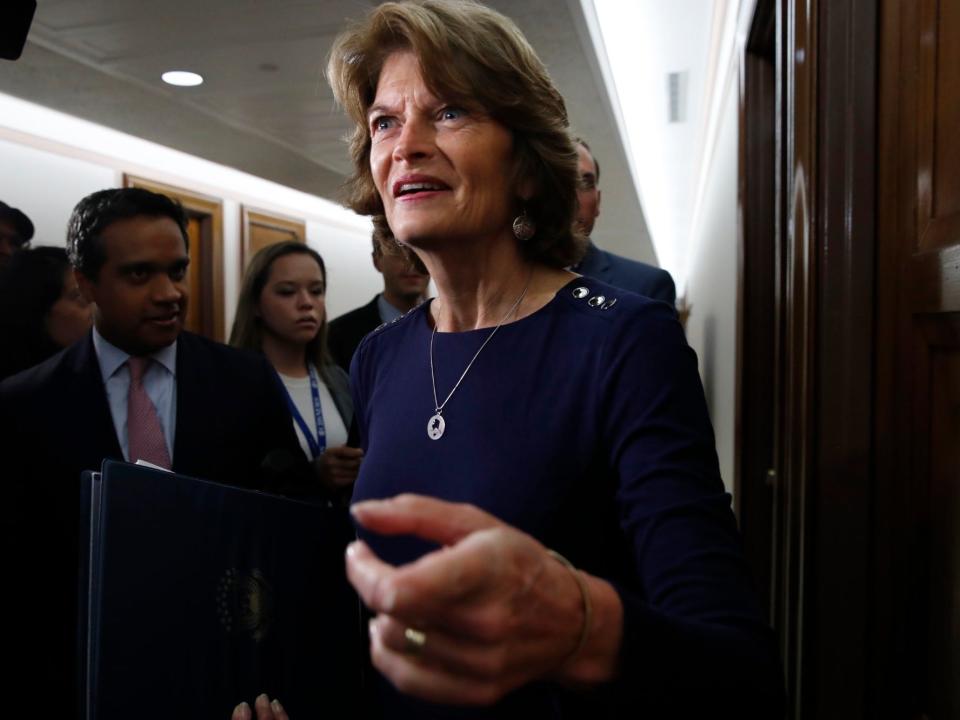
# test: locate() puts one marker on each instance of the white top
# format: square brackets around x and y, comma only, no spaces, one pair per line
[299,389]
[159,380]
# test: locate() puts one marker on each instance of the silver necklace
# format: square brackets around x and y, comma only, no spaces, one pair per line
[437,424]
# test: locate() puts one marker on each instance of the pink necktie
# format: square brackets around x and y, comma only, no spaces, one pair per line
[144,434]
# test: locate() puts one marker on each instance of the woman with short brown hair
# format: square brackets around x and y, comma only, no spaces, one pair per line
[495,73]
[525,408]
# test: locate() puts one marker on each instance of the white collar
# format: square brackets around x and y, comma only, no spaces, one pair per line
[112,358]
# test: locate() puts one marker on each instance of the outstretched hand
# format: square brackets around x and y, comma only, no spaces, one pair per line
[488,612]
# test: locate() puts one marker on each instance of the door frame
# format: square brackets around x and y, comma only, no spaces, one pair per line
[251,217]
[824,352]
[209,211]
[754,478]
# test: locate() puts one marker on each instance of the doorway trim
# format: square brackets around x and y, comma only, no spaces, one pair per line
[822,538]
[209,212]
[251,217]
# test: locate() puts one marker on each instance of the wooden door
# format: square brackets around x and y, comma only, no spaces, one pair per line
[194,320]
[760,246]
[917,578]
[205,308]
[807,347]
[867,438]
[261,228]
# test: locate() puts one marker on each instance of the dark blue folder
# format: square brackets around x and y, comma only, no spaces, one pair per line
[195,596]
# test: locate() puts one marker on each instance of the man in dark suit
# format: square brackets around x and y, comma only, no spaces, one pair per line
[404,286]
[135,388]
[618,271]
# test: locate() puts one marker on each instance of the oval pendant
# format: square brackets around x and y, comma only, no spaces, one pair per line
[436,426]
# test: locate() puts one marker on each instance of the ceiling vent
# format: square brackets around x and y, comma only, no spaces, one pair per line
[677,97]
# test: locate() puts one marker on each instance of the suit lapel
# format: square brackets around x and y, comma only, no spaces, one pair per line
[86,390]
[185,448]
[366,322]
[372,315]
[595,263]
[603,264]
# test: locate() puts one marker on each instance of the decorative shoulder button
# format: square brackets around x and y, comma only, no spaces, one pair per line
[609,304]
[596,300]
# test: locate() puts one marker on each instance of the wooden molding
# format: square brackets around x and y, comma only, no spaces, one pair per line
[209,210]
[252,218]
[755,405]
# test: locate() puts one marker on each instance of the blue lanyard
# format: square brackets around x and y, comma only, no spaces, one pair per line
[318,446]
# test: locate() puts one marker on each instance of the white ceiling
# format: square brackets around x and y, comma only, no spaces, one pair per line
[264,107]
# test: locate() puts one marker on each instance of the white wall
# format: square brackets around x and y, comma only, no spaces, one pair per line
[50,161]
[712,282]
[351,278]
[47,186]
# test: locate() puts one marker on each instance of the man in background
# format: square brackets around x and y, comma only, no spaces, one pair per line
[615,270]
[16,231]
[404,286]
[135,388]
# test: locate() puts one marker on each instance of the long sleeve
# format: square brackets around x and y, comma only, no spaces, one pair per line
[694,639]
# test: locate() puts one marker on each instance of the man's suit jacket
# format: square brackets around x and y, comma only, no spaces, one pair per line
[55,422]
[621,272]
[346,332]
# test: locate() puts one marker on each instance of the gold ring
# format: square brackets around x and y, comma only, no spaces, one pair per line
[414,641]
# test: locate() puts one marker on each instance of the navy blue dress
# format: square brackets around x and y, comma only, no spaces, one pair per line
[584,425]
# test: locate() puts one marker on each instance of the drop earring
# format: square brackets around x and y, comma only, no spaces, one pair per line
[523,227]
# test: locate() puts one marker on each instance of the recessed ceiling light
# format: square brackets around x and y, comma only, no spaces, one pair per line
[181,78]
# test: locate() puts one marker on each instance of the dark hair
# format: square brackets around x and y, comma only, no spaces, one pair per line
[384,243]
[247,331]
[596,163]
[473,55]
[97,211]
[381,237]
[30,284]
[21,224]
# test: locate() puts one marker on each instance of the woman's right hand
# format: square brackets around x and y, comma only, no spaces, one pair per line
[488,612]
[338,466]
[266,710]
